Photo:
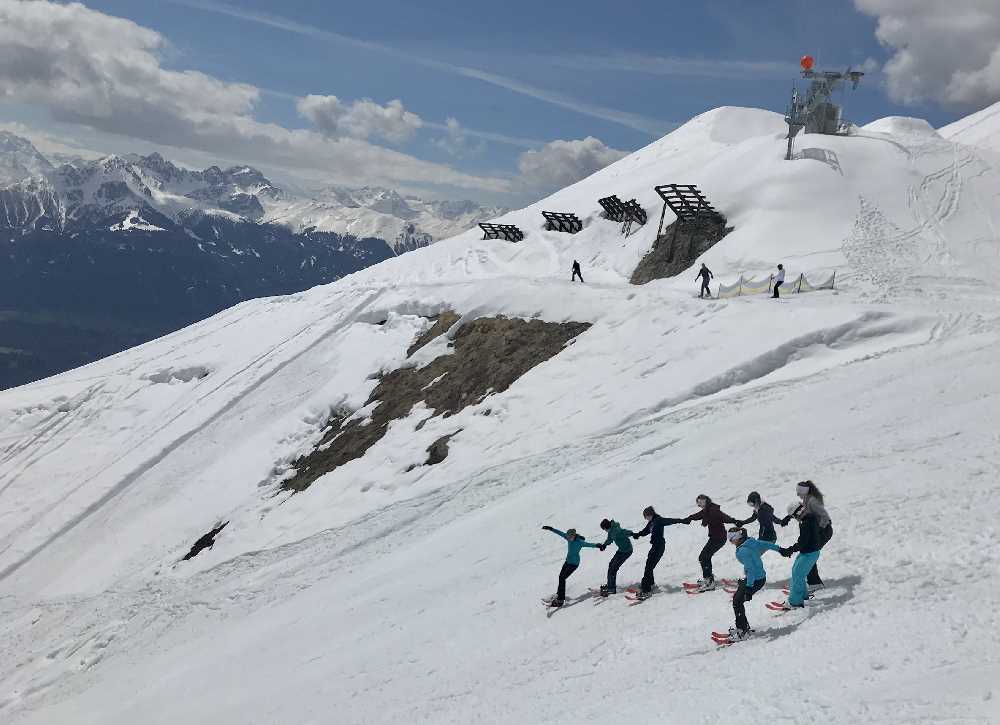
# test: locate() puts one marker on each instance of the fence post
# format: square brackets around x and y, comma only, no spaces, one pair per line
[799,288]
[833,280]
[739,292]
[770,281]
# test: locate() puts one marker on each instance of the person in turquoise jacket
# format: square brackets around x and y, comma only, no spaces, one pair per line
[748,552]
[622,538]
[575,543]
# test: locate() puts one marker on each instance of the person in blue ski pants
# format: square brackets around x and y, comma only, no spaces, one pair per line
[575,543]
[807,547]
[748,552]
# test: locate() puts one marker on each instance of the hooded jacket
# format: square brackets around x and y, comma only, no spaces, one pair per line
[713,517]
[749,555]
[621,537]
[655,526]
[574,546]
[765,515]
[810,539]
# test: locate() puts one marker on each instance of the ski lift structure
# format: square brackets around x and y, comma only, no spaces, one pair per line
[815,111]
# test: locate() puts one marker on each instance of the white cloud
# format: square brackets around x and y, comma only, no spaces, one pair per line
[943,52]
[362,119]
[560,163]
[457,142]
[104,73]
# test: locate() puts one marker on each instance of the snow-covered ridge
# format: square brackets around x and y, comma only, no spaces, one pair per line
[392,590]
[117,186]
[980,129]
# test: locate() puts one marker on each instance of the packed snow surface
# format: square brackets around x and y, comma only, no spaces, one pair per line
[387,595]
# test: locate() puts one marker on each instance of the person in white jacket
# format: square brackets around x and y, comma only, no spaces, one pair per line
[779,279]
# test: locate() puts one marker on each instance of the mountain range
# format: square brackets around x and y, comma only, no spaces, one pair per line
[105,254]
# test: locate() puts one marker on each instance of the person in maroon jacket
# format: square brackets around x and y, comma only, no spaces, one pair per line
[712,517]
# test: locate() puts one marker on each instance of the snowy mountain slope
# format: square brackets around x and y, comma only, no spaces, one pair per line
[383,592]
[980,129]
[380,213]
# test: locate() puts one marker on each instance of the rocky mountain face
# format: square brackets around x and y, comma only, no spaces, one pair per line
[101,255]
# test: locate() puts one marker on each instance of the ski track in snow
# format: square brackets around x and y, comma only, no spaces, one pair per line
[384,595]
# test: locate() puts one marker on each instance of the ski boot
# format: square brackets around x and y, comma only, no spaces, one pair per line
[605,591]
[738,635]
[706,585]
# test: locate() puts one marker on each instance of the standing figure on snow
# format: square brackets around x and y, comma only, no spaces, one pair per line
[712,517]
[657,543]
[748,553]
[622,539]
[779,279]
[807,546]
[812,499]
[575,543]
[576,272]
[705,275]
[763,512]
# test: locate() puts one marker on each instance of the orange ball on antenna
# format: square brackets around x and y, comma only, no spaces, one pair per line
[806,62]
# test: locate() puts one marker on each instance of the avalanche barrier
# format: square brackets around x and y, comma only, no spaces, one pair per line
[763,286]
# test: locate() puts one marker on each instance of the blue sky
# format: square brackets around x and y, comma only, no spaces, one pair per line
[514,76]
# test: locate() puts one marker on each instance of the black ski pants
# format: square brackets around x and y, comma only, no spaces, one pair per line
[705,557]
[652,559]
[776,286]
[614,565]
[743,595]
[704,288]
[824,536]
[576,273]
[564,574]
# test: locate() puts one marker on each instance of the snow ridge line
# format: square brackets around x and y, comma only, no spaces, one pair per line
[868,325]
[130,478]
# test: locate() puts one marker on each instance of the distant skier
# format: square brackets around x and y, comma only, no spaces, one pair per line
[748,553]
[712,517]
[779,279]
[576,272]
[575,543]
[764,513]
[621,537]
[705,275]
[657,543]
[807,546]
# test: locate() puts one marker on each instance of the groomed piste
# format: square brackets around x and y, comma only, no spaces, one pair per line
[404,587]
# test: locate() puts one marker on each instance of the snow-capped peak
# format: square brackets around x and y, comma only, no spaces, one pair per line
[20,160]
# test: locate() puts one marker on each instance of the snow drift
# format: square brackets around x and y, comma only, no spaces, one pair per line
[392,589]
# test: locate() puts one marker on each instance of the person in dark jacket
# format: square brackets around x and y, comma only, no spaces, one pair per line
[705,274]
[807,547]
[622,539]
[657,543]
[576,272]
[763,512]
[711,517]
[811,497]
[575,543]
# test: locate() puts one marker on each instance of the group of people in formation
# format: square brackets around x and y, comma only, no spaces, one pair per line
[809,511]
[705,275]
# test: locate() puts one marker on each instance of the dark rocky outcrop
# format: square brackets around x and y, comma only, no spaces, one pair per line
[442,323]
[438,450]
[677,249]
[206,541]
[488,355]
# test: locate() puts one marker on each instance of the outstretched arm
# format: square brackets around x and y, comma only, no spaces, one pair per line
[588,545]
[645,531]
[696,516]
[728,519]
[557,532]
[670,522]
[750,520]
